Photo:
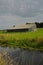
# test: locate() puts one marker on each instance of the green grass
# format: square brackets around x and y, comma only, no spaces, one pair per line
[27,40]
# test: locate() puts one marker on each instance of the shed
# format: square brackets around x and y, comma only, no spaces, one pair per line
[23,28]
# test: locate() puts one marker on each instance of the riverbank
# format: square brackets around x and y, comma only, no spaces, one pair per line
[26,40]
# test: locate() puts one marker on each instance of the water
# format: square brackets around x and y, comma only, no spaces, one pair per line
[21,57]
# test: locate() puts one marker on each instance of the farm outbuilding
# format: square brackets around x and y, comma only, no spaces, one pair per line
[23,28]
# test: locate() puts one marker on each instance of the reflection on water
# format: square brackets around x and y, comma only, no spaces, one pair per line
[11,56]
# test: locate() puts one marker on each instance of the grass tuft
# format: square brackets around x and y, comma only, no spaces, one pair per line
[30,40]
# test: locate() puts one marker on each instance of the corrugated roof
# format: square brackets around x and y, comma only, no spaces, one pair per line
[22,26]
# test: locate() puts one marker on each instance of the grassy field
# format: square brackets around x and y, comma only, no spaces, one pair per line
[27,40]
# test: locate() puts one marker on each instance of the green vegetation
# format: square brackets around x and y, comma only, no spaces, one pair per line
[26,40]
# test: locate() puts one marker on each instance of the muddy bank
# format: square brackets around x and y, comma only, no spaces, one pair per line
[11,56]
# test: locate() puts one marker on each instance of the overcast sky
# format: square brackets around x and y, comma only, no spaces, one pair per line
[13,12]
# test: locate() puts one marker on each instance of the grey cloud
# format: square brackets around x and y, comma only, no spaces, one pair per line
[24,8]
[20,11]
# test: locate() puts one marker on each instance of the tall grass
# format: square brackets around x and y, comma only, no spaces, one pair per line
[30,40]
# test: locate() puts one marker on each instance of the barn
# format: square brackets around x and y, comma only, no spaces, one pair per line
[23,28]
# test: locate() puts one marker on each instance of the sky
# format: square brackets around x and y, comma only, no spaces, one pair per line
[15,12]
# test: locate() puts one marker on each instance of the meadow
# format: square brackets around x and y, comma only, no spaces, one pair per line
[26,40]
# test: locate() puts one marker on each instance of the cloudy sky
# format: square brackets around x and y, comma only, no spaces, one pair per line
[13,12]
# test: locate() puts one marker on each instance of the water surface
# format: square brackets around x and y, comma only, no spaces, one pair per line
[21,57]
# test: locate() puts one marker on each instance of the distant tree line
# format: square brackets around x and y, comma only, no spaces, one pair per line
[39,25]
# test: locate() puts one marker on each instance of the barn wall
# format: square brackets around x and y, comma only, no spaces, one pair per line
[17,30]
[33,27]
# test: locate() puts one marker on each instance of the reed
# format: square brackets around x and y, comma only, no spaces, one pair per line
[23,40]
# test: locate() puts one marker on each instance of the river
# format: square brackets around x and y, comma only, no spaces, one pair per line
[19,56]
